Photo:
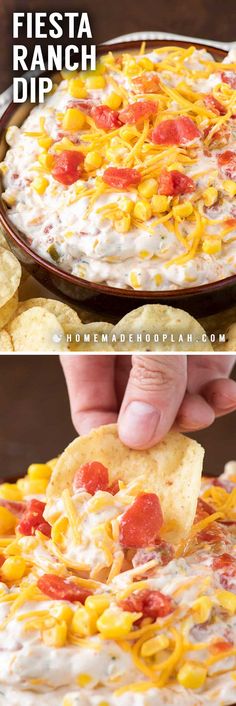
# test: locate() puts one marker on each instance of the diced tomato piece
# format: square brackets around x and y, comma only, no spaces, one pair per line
[105,118]
[179,131]
[134,112]
[212,534]
[225,561]
[122,177]
[221,646]
[83,104]
[2,559]
[61,589]
[113,488]
[32,517]
[153,604]
[45,528]
[203,509]
[213,104]
[17,508]
[173,183]
[146,83]
[67,167]
[141,523]
[92,476]
[227,162]
[229,77]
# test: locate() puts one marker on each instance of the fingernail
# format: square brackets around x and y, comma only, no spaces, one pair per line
[138,424]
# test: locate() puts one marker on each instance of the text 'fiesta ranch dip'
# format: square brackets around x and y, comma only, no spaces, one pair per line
[96,607]
[127,175]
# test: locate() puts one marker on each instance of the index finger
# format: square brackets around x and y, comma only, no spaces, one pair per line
[91,389]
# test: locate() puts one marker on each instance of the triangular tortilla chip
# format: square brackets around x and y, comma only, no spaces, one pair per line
[172,469]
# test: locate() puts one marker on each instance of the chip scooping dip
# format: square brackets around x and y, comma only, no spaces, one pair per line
[172,470]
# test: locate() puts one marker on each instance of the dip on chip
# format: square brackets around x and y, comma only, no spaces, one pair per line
[156,628]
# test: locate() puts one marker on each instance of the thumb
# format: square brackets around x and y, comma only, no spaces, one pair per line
[154,393]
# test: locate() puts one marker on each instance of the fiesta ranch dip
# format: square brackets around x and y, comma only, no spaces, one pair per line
[127,175]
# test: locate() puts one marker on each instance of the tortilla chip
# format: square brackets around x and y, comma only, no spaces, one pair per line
[7,310]
[230,340]
[91,337]
[3,241]
[37,330]
[5,342]
[160,319]
[66,316]
[10,275]
[172,469]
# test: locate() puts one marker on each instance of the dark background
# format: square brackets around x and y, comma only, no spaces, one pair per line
[35,420]
[213,19]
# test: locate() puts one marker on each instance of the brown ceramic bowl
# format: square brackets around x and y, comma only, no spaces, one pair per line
[204,299]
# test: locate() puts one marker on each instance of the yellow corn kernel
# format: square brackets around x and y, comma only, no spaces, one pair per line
[13,568]
[46,160]
[147,64]
[73,119]
[40,184]
[98,603]
[77,88]
[147,188]
[183,210]
[192,675]
[55,636]
[10,491]
[128,133]
[93,160]
[113,101]
[37,487]
[126,205]
[134,281]
[131,67]
[202,607]
[230,186]
[158,280]
[154,645]
[175,165]
[67,701]
[59,529]
[114,624]
[84,622]
[211,245]
[7,520]
[37,471]
[227,600]
[107,59]
[83,680]
[62,612]
[159,204]
[93,82]
[68,74]
[122,225]
[99,71]
[210,196]
[142,210]
[45,141]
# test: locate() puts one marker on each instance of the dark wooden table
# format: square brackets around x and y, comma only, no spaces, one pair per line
[35,420]
[201,18]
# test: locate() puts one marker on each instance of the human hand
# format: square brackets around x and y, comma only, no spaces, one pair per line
[148,394]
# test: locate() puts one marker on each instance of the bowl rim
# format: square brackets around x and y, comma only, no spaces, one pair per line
[18,236]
